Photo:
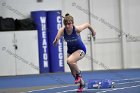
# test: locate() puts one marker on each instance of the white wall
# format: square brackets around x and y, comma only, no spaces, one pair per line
[22,8]
[130,13]
[122,14]
[107,47]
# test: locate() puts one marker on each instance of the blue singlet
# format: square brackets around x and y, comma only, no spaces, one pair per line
[74,42]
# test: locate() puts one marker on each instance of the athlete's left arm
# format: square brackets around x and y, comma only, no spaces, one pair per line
[80,28]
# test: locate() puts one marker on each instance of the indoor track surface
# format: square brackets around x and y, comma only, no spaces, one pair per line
[126,81]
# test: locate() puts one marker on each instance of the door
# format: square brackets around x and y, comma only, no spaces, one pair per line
[27,61]
[7,54]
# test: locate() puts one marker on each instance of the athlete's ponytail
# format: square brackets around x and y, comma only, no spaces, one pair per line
[67,14]
[68,18]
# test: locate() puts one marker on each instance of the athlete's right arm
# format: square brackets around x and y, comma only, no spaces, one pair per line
[59,34]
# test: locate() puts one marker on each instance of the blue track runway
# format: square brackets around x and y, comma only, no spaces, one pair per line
[127,81]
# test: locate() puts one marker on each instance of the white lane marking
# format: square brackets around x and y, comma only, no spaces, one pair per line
[72,85]
[106,90]
[127,82]
[48,88]
[119,89]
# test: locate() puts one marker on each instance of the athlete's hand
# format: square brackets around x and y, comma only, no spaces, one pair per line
[55,41]
[93,35]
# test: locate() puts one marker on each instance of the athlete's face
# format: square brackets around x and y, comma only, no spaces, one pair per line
[69,26]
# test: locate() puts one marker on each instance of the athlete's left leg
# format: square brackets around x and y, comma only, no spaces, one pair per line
[72,62]
[71,68]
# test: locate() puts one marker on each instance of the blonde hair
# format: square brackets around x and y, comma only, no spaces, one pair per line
[68,18]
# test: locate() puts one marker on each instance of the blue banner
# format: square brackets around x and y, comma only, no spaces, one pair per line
[56,55]
[40,20]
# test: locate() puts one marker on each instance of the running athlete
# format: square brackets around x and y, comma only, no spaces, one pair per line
[76,50]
